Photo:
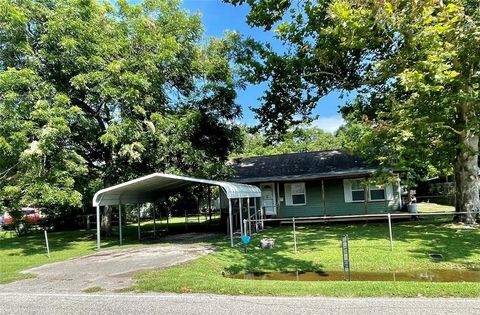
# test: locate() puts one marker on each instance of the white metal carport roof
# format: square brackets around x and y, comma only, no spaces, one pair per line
[150,188]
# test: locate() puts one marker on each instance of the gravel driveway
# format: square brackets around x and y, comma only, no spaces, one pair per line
[108,269]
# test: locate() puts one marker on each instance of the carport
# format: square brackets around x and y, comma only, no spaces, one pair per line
[153,187]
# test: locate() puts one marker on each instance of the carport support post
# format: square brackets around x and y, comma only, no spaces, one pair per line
[230,221]
[120,223]
[154,221]
[98,227]
[256,214]
[249,218]
[209,196]
[168,216]
[138,220]
[240,206]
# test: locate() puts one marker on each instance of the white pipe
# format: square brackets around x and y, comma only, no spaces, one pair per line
[154,221]
[138,219]
[294,237]
[231,221]
[120,223]
[390,230]
[249,218]
[379,215]
[256,213]
[241,214]
[46,242]
[98,227]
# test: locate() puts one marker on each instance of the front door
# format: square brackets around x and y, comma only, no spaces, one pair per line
[269,201]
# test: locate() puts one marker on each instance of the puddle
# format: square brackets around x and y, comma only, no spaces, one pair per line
[423,276]
[435,256]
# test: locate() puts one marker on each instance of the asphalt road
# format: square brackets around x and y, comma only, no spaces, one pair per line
[20,303]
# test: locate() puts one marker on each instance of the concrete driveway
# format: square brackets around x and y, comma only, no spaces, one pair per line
[108,269]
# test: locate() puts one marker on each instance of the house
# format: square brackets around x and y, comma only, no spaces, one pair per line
[312,184]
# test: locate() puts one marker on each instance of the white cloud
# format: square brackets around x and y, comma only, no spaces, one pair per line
[329,123]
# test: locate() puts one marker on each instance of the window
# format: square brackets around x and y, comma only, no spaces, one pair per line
[358,191]
[376,192]
[295,194]
[354,191]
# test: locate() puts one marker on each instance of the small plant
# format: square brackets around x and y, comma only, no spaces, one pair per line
[93,290]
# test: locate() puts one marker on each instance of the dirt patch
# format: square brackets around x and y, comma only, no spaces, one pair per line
[110,269]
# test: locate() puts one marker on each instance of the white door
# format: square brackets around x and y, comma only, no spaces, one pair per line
[269,201]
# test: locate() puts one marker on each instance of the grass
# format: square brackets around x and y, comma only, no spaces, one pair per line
[319,250]
[424,207]
[93,290]
[20,253]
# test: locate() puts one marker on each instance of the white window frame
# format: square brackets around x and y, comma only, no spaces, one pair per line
[376,187]
[352,190]
[348,195]
[289,195]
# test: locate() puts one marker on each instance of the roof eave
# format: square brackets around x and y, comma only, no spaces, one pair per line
[331,175]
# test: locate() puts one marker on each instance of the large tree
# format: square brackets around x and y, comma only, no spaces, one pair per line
[303,138]
[415,65]
[92,94]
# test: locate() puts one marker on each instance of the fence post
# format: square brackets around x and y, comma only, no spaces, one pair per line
[390,231]
[46,242]
[294,237]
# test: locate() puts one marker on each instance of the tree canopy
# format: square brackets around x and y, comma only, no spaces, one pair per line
[302,139]
[414,64]
[93,93]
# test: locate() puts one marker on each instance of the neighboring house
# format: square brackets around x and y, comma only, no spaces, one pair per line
[309,184]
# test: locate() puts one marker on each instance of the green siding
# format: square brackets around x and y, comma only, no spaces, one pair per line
[334,203]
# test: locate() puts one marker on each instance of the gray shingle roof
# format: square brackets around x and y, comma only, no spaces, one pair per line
[300,166]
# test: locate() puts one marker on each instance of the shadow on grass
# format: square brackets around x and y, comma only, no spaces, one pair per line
[34,242]
[433,235]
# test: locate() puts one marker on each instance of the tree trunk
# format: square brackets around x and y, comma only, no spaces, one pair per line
[466,178]
[107,221]
[107,214]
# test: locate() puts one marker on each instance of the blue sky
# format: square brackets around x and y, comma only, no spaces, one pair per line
[218,17]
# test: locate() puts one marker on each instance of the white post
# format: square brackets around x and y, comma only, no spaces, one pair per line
[256,213]
[390,231]
[231,221]
[294,237]
[154,221]
[249,218]
[168,216]
[241,214]
[138,219]
[262,215]
[120,223]
[98,227]
[46,242]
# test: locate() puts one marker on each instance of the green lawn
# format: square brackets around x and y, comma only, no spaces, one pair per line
[319,250]
[20,253]
[433,207]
